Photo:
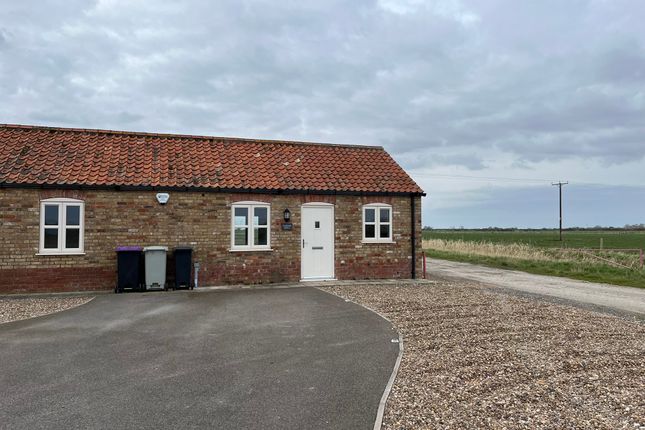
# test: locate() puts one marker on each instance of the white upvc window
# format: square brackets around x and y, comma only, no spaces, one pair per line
[250,226]
[61,226]
[377,223]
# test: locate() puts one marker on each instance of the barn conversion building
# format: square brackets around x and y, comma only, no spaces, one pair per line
[254,211]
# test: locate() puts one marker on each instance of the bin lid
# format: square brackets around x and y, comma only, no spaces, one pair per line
[183,248]
[128,248]
[155,248]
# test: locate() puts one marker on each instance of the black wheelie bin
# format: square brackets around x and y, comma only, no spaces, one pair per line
[129,271]
[183,266]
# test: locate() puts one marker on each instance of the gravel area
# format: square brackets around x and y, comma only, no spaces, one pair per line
[476,358]
[12,309]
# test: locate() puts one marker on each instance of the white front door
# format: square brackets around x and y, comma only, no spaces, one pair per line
[317,241]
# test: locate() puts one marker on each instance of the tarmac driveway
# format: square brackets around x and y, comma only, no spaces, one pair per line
[279,358]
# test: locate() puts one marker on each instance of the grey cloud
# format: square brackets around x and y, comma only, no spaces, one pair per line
[537,206]
[538,80]
[622,64]
[432,159]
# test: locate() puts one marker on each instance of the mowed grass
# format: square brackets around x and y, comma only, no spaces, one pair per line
[536,252]
[547,238]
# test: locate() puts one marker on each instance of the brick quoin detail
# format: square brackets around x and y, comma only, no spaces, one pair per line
[201,220]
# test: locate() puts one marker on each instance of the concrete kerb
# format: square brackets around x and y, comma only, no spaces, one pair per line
[278,285]
[378,422]
[183,290]
[390,383]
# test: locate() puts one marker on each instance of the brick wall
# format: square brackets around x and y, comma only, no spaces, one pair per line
[201,220]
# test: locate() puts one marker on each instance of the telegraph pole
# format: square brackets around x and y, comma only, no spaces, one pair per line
[560,184]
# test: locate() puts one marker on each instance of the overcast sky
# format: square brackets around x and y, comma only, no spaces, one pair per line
[523,92]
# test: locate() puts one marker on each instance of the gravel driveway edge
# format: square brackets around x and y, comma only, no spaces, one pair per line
[52,305]
[390,383]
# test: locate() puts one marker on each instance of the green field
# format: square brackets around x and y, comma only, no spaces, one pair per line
[546,238]
[535,251]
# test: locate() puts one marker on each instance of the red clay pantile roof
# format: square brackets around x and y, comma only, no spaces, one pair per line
[33,155]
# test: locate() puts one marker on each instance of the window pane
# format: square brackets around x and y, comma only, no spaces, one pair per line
[260,216]
[72,238]
[241,236]
[51,215]
[385,215]
[241,216]
[370,215]
[370,231]
[51,238]
[73,215]
[261,236]
[385,231]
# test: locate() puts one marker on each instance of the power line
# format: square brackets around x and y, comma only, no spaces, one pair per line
[516,180]
[485,178]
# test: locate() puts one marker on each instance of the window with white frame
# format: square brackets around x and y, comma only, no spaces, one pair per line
[61,226]
[377,223]
[250,226]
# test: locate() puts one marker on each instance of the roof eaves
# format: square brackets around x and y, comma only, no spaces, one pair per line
[117,187]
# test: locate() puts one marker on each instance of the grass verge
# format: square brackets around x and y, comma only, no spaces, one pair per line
[546,238]
[567,269]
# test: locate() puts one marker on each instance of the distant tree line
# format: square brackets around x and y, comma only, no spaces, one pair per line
[640,226]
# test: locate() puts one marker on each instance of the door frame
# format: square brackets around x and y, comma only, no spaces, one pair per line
[320,205]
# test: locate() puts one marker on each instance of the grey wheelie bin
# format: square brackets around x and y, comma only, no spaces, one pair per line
[183,266]
[155,257]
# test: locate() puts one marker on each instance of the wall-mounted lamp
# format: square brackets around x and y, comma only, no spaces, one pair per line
[287,215]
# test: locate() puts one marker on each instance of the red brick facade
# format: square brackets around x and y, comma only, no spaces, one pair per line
[202,220]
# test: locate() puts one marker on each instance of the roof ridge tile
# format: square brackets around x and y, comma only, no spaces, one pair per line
[56,156]
[179,136]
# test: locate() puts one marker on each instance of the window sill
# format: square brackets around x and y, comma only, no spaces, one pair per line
[377,242]
[250,249]
[58,254]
